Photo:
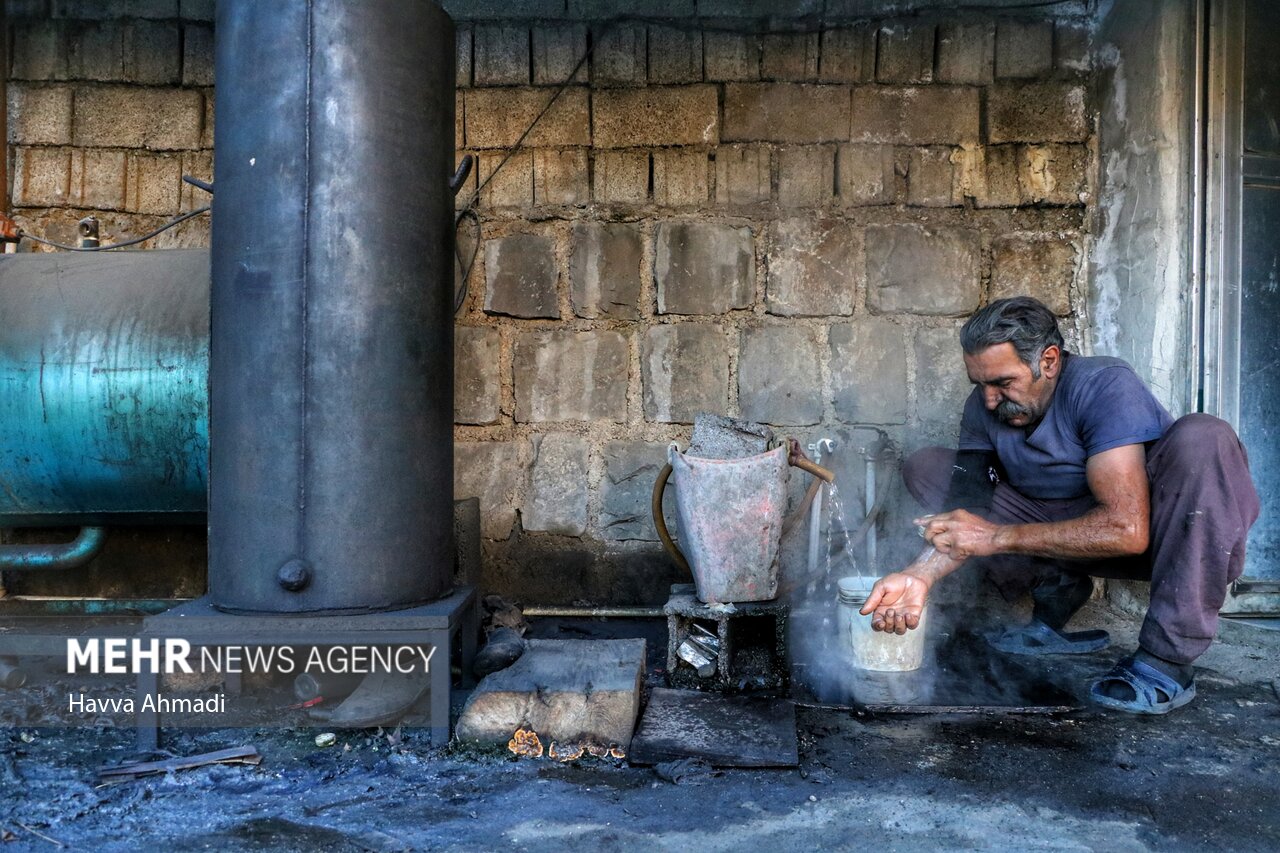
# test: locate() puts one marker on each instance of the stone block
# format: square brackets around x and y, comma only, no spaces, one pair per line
[681,176]
[730,57]
[476,389]
[930,177]
[495,472]
[1039,265]
[501,55]
[154,183]
[560,177]
[703,267]
[520,276]
[758,8]
[942,385]
[39,115]
[1054,174]
[1072,46]
[865,174]
[1024,48]
[742,174]
[778,378]
[196,10]
[556,52]
[848,55]
[570,376]
[604,270]
[619,56]
[789,56]
[815,267]
[487,10]
[39,50]
[987,174]
[197,55]
[869,371]
[512,186]
[1037,112]
[626,493]
[915,269]
[113,9]
[198,164]
[966,53]
[557,501]
[100,179]
[904,53]
[137,117]
[464,54]
[41,177]
[621,176]
[785,112]
[206,127]
[675,55]
[806,175]
[656,115]
[685,369]
[497,117]
[923,115]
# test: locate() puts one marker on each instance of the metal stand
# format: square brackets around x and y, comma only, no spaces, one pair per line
[432,624]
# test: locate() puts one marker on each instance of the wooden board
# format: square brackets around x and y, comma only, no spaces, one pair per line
[568,691]
[728,731]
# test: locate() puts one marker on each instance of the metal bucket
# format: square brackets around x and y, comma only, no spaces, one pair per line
[730,514]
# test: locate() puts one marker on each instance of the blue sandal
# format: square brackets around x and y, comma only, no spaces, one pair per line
[1037,638]
[1154,692]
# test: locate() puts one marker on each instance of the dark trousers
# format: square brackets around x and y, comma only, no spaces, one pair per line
[1202,506]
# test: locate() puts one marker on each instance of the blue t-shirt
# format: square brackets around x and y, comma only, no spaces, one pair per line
[1098,404]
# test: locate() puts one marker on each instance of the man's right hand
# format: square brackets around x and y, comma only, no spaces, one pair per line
[896,602]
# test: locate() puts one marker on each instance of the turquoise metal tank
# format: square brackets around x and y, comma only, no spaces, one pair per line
[104,413]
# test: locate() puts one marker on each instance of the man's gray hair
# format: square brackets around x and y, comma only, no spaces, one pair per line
[1025,322]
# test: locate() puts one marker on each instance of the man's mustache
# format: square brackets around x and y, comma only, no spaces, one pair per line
[1007,410]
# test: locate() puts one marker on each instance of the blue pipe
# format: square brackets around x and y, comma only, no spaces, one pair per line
[69,555]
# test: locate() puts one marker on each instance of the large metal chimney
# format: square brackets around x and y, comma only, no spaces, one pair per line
[331,398]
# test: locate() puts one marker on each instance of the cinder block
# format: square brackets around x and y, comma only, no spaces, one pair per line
[685,369]
[987,174]
[655,115]
[915,269]
[604,270]
[488,10]
[41,177]
[39,50]
[848,55]
[133,117]
[557,52]
[115,9]
[198,164]
[1039,265]
[39,115]
[206,126]
[869,371]
[680,177]
[904,53]
[153,53]
[496,472]
[95,51]
[476,390]
[1072,47]
[778,382]
[630,470]
[703,267]
[154,184]
[512,186]
[789,56]
[931,178]
[865,174]
[465,53]
[966,53]
[100,179]
[1054,174]
[501,55]
[621,176]
[520,276]
[560,177]
[758,8]
[923,115]
[742,174]
[618,58]
[570,376]
[786,112]
[806,175]
[815,267]
[196,10]
[497,117]
[197,56]
[557,501]
[731,57]
[1024,48]
[941,386]
[1037,112]
[675,55]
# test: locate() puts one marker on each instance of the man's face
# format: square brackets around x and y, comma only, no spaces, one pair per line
[1007,385]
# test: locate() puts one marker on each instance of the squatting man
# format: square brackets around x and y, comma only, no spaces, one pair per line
[1068,467]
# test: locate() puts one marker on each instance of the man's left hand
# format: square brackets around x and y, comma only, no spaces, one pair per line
[960,534]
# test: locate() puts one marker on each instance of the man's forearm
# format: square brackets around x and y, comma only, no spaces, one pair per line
[1098,534]
[932,565]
